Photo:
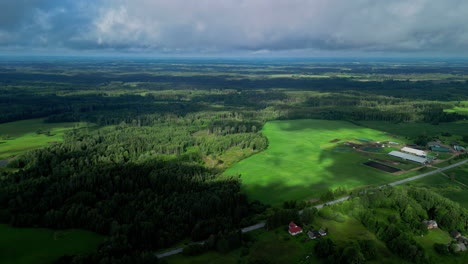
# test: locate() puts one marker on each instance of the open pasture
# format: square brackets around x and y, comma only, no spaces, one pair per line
[21,136]
[301,162]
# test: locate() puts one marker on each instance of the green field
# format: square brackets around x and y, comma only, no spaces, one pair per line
[41,246]
[21,136]
[300,162]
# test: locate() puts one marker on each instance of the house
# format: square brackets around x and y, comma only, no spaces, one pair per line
[455,234]
[294,229]
[463,240]
[322,232]
[431,224]
[460,247]
[313,234]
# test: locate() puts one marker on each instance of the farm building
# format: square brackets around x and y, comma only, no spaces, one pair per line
[414,151]
[433,144]
[431,224]
[460,247]
[294,229]
[440,149]
[393,143]
[455,234]
[409,157]
[459,148]
[313,234]
[322,232]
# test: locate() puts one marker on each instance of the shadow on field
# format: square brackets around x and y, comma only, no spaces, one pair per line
[310,175]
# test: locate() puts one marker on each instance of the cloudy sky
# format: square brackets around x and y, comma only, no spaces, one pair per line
[241,27]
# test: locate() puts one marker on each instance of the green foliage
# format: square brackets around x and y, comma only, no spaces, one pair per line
[325,247]
[442,249]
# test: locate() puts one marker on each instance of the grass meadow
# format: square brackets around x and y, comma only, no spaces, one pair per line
[21,136]
[43,246]
[301,163]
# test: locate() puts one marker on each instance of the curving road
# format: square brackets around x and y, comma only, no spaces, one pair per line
[261,225]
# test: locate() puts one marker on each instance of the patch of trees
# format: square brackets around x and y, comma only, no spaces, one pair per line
[357,252]
[144,187]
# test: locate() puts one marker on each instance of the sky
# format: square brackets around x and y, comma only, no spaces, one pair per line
[235,27]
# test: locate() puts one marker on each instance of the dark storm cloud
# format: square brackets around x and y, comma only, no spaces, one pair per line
[257,26]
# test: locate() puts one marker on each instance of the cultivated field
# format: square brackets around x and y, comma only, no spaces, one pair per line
[302,161]
[43,246]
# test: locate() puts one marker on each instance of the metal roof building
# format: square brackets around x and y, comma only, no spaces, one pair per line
[439,149]
[409,157]
[414,151]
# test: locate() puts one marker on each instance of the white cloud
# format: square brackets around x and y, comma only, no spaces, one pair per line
[249,25]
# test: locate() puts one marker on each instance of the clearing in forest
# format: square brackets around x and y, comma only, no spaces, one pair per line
[21,136]
[300,162]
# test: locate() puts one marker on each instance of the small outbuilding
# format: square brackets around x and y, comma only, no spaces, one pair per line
[459,148]
[294,229]
[440,149]
[463,240]
[455,234]
[460,247]
[313,234]
[322,232]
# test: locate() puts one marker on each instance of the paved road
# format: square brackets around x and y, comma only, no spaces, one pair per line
[179,250]
[254,227]
[261,225]
[428,173]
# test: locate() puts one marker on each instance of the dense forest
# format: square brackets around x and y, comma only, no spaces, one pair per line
[143,173]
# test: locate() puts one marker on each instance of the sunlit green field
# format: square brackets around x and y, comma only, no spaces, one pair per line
[21,136]
[43,246]
[300,162]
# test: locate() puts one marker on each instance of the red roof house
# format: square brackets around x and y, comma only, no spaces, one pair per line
[294,229]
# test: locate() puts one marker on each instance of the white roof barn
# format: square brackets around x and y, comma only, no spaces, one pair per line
[409,157]
[414,151]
